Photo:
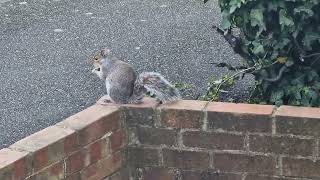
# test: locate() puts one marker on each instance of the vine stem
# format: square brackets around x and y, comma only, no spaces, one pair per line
[311,55]
[234,75]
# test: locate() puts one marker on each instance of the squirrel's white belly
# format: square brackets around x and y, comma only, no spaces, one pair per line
[108,86]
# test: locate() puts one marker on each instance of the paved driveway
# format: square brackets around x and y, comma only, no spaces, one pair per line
[45,44]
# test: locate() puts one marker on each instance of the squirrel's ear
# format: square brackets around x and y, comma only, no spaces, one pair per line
[104,52]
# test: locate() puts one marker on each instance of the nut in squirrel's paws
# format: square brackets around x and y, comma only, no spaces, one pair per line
[105,100]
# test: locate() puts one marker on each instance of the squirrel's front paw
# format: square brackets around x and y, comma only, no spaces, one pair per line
[104,100]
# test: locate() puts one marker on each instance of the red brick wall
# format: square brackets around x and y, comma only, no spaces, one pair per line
[196,140]
[188,140]
[85,146]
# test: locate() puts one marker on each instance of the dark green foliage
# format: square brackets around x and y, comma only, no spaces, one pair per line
[280,39]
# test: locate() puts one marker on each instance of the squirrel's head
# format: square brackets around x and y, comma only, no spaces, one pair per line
[98,59]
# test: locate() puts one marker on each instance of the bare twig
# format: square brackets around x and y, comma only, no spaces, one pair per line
[311,55]
[278,77]
[234,75]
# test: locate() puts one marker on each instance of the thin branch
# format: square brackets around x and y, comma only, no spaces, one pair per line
[234,75]
[311,55]
[278,77]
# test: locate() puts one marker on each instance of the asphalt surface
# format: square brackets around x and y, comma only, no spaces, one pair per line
[45,44]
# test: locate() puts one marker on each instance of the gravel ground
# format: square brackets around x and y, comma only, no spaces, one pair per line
[45,46]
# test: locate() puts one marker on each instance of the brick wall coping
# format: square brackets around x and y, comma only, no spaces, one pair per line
[51,149]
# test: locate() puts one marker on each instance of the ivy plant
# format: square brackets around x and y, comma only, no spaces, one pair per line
[279,42]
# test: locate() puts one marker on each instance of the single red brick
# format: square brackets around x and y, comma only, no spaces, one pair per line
[183,114]
[20,168]
[75,162]
[240,108]
[299,112]
[157,136]
[226,162]
[138,156]
[282,145]
[186,159]
[40,159]
[156,173]
[223,141]
[303,168]
[298,120]
[239,117]
[14,164]
[71,144]
[117,140]
[95,151]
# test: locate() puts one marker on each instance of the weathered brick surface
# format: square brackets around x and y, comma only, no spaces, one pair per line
[117,140]
[103,168]
[282,145]
[157,173]
[162,173]
[53,172]
[75,162]
[138,156]
[46,146]
[157,136]
[257,177]
[89,154]
[226,162]
[74,176]
[186,159]
[240,117]
[209,175]
[14,164]
[301,168]
[71,143]
[298,120]
[208,140]
[182,114]
[141,114]
[122,174]
[95,151]
[93,123]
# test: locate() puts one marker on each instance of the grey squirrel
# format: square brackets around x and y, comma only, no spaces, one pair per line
[124,86]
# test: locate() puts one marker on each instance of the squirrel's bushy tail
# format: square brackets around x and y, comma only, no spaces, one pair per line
[157,85]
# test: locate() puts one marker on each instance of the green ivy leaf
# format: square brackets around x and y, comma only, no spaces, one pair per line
[284,19]
[258,48]
[226,24]
[257,18]
[276,96]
